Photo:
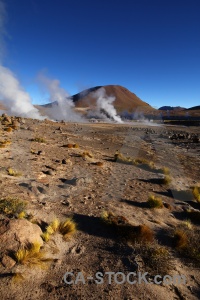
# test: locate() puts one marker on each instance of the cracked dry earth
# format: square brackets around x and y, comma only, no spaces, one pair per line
[60,182]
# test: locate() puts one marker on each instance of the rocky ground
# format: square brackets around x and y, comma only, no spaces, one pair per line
[66,170]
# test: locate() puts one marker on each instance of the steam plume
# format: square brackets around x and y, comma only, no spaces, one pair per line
[14,98]
[105,105]
[62,107]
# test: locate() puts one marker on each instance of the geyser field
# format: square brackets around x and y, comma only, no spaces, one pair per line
[98,197]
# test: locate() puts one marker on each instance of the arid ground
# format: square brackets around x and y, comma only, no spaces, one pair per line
[100,175]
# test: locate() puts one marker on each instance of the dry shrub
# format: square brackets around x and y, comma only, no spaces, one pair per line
[140,162]
[31,255]
[67,228]
[165,170]
[75,146]
[154,202]
[186,241]
[180,238]
[127,231]
[156,258]
[14,173]
[196,193]
[12,207]
[166,180]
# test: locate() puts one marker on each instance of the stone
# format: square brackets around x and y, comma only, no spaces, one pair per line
[8,262]
[19,232]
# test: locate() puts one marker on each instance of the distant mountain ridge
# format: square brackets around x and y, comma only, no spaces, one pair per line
[171,108]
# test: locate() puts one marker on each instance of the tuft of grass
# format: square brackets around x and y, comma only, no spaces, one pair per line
[75,146]
[180,238]
[186,241]
[31,255]
[187,223]
[165,171]
[45,236]
[67,228]
[14,173]
[166,180]
[21,215]
[12,207]
[38,140]
[196,193]
[127,231]
[156,258]
[53,226]
[154,202]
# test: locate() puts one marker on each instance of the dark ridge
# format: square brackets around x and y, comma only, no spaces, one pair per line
[193,108]
[171,108]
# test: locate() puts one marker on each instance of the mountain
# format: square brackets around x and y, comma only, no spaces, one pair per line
[177,108]
[194,108]
[124,99]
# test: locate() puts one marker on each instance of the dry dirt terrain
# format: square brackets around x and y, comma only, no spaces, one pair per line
[100,175]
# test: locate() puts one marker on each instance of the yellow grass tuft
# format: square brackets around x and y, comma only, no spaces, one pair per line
[165,170]
[12,207]
[166,180]
[196,193]
[14,173]
[154,202]
[180,238]
[75,146]
[21,215]
[53,226]
[67,228]
[45,236]
[31,255]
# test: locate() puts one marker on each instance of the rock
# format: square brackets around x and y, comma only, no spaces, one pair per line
[19,232]
[50,172]
[8,262]
[40,152]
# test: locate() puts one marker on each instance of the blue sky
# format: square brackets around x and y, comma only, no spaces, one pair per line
[150,47]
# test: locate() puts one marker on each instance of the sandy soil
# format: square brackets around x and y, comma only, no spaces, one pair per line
[82,190]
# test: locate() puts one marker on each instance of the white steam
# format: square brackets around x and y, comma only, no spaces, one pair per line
[105,106]
[62,107]
[14,98]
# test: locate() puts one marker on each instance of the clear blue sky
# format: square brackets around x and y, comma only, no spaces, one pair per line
[152,47]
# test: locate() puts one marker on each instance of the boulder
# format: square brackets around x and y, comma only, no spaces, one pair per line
[17,233]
